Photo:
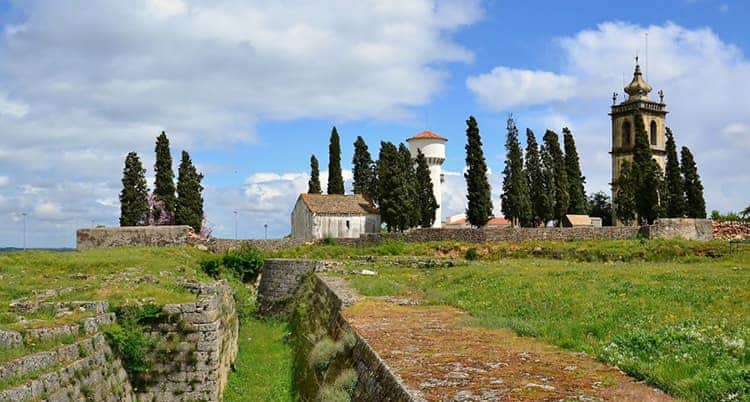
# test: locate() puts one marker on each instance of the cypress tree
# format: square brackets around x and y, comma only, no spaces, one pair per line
[335,179]
[313,185]
[625,197]
[675,201]
[554,162]
[695,204]
[391,194]
[539,193]
[410,207]
[600,205]
[477,185]
[134,194]
[164,188]
[646,176]
[578,204]
[364,175]
[515,198]
[189,209]
[427,203]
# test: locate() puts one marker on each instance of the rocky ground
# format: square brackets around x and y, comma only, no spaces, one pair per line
[441,358]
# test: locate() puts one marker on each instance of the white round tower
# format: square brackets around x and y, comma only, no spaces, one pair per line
[433,148]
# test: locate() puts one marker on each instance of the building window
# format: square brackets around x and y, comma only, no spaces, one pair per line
[347,225]
[625,133]
[653,132]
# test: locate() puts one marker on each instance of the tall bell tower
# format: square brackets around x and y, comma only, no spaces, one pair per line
[623,124]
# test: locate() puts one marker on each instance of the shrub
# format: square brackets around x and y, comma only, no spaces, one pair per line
[329,393]
[243,300]
[471,254]
[329,241]
[347,380]
[212,267]
[391,247]
[129,337]
[244,264]
[323,353]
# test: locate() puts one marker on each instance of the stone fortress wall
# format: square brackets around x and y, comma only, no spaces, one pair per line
[663,228]
[200,346]
[199,343]
[145,236]
[286,282]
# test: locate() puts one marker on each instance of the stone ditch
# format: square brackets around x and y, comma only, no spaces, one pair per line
[331,361]
[192,360]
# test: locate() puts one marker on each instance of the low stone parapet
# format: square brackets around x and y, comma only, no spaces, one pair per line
[279,283]
[679,228]
[131,236]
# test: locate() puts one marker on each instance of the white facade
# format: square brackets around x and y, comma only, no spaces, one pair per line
[433,148]
[310,225]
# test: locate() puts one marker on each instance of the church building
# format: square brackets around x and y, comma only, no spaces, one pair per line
[623,124]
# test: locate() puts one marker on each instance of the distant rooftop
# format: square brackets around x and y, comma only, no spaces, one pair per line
[338,204]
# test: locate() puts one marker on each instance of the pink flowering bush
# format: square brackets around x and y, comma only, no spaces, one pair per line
[158,215]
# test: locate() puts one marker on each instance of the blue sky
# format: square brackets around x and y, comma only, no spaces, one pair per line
[252,90]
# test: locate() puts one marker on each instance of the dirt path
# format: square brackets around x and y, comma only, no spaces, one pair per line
[443,360]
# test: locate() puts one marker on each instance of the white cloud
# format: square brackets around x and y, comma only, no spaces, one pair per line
[504,87]
[704,80]
[454,193]
[11,108]
[48,210]
[168,8]
[78,90]
[4,180]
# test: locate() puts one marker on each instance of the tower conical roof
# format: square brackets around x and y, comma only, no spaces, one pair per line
[638,89]
[427,134]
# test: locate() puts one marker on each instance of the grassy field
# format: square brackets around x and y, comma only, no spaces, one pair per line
[677,317]
[264,364]
[126,276]
[120,275]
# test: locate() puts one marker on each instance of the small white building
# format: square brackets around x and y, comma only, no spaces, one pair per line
[321,216]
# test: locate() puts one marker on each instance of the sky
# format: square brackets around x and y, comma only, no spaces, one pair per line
[252,89]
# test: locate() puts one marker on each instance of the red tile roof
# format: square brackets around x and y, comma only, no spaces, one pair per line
[427,134]
[500,221]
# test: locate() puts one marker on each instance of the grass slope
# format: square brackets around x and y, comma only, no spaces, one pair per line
[681,323]
[263,365]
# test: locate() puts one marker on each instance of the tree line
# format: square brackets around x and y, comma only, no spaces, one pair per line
[399,185]
[167,204]
[546,183]
[644,192]
[540,184]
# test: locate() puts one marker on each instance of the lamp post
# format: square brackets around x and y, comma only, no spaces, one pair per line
[265,227]
[24,229]
[235,225]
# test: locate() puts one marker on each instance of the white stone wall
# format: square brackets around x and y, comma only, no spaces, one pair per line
[302,222]
[344,226]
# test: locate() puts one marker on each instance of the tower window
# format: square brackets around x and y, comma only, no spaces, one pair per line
[625,133]
[653,132]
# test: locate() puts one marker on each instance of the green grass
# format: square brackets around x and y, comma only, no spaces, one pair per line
[604,251]
[263,365]
[681,323]
[120,275]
